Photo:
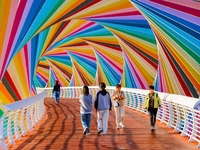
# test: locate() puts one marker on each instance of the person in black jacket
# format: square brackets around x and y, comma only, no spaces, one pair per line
[103,105]
[56,91]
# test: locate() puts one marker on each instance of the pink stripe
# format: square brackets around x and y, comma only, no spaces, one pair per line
[33,91]
[117,69]
[89,57]
[138,75]
[29,61]
[42,77]
[180,14]
[24,65]
[83,28]
[7,35]
[27,67]
[13,32]
[24,17]
[187,3]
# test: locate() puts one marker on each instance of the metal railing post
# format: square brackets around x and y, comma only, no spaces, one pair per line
[192,136]
[28,120]
[169,124]
[16,125]
[178,122]
[22,122]
[2,141]
[9,129]
[185,123]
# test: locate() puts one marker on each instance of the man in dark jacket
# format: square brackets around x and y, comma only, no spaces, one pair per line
[152,103]
[56,91]
[103,105]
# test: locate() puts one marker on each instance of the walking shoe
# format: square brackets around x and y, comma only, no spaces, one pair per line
[99,131]
[154,128]
[122,125]
[85,130]
[151,128]
[88,133]
[117,127]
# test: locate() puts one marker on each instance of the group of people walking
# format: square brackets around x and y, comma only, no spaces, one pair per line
[103,104]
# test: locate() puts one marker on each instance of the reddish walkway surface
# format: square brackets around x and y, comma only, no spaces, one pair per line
[61,129]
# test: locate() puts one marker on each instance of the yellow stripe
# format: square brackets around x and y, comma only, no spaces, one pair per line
[4,19]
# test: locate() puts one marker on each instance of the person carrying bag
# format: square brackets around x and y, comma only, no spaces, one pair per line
[118,98]
[152,103]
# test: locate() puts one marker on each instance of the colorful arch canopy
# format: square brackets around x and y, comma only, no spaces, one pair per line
[84,42]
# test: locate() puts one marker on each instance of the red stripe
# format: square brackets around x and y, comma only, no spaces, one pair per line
[12,85]
[33,91]
[144,57]
[61,70]
[181,81]
[63,27]
[86,56]
[115,65]
[88,5]
[131,13]
[182,8]
[113,46]
[57,54]
[137,76]
[82,28]
[77,44]
[43,77]
[16,22]
[80,44]
[26,59]
[82,78]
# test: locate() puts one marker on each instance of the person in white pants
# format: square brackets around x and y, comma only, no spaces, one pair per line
[102,121]
[118,97]
[103,105]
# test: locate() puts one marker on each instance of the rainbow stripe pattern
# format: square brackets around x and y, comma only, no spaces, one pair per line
[83,42]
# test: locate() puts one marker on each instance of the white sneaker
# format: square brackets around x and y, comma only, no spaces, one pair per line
[85,130]
[151,127]
[122,125]
[117,127]
[99,131]
[88,133]
[154,128]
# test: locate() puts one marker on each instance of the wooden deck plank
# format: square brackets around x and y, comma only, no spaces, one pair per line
[61,129]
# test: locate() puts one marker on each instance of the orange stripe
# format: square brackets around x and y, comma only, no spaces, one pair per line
[4,19]
[6,93]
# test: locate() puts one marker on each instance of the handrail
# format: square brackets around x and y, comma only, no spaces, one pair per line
[25,102]
[19,118]
[177,111]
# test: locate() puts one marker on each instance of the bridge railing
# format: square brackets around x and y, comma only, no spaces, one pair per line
[178,112]
[19,118]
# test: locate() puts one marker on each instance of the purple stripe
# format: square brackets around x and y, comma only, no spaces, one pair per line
[24,17]
[174,12]
[16,22]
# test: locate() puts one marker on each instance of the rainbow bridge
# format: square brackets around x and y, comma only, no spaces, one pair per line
[136,43]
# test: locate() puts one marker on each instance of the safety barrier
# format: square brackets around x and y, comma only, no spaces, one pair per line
[177,111]
[19,118]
